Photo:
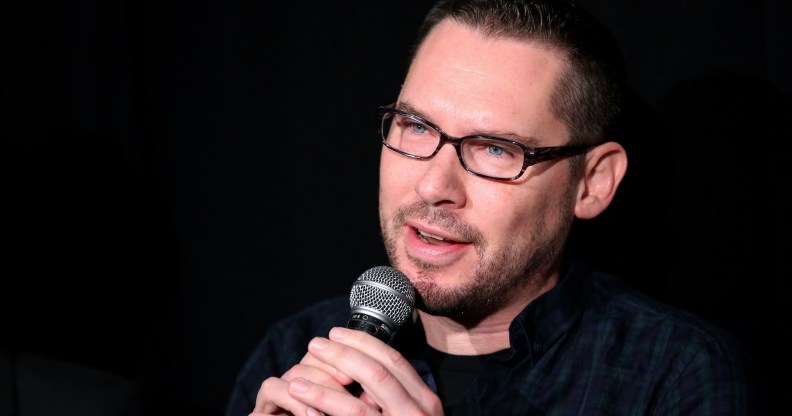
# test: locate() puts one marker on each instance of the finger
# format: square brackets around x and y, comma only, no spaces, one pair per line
[309,359]
[273,398]
[391,359]
[379,382]
[369,401]
[329,401]
[315,374]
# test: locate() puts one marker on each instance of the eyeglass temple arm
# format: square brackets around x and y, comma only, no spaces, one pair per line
[549,153]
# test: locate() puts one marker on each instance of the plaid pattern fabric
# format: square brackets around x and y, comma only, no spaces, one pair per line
[590,346]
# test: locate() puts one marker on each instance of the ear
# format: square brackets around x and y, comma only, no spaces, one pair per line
[604,170]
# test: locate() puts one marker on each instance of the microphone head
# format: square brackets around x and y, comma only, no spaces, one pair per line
[384,293]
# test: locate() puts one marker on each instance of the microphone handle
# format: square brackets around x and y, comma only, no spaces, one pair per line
[370,325]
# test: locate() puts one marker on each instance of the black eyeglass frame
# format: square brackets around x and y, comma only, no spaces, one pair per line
[532,155]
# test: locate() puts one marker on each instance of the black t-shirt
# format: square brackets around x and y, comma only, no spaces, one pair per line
[454,373]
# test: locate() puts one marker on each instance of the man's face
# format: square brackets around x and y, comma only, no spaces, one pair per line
[498,238]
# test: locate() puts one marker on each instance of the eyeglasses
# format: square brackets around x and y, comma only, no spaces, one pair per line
[485,156]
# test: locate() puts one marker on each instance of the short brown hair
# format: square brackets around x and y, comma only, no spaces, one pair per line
[588,96]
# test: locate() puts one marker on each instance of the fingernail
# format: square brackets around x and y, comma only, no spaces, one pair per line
[313,412]
[318,343]
[299,385]
[338,333]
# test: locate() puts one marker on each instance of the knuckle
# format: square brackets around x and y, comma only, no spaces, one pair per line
[394,357]
[434,404]
[269,383]
[341,352]
[294,372]
[315,394]
[379,373]
[308,359]
[357,408]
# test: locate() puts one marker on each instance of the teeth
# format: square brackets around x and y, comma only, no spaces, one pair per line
[425,234]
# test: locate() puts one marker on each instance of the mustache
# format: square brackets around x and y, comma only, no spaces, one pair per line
[440,218]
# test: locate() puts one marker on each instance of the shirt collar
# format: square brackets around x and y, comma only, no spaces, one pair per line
[542,323]
[545,320]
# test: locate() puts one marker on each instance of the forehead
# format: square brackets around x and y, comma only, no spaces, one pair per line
[482,81]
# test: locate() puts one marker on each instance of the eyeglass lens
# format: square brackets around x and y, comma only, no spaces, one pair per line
[490,157]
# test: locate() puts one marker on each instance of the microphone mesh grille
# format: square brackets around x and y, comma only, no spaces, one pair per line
[384,299]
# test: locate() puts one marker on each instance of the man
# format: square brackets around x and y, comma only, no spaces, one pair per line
[495,145]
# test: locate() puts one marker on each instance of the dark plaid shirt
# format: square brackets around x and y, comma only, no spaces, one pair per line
[590,346]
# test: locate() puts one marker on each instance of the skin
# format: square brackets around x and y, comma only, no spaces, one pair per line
[506,238]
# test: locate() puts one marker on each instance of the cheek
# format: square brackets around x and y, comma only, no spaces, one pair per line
[396,180]
[500,211]
[505,215]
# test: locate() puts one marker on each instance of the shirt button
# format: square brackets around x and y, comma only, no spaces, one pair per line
[537,347]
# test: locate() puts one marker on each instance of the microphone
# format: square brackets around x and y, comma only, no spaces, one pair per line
[381,300]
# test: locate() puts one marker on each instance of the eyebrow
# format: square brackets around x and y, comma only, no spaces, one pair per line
[529,141]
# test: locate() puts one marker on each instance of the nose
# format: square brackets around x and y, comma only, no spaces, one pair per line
[442,182]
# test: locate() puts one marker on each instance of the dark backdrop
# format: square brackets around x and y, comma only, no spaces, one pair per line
[180,174]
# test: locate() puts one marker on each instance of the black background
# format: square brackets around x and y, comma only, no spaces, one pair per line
[179,174]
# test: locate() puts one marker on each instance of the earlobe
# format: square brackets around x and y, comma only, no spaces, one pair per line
[604,170]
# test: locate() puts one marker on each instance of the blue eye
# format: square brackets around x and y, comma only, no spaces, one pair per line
[418,128]
[495,150]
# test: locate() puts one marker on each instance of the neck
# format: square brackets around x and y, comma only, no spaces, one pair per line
[488,335]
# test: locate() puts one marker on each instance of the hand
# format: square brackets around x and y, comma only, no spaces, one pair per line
[390,384]
[274,398]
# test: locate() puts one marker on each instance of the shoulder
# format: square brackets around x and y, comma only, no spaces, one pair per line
[315,319]
[693,360]
[282,346]
[616,302]
[285,342]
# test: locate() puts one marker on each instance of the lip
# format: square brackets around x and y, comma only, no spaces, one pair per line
[436,231]
[433,254]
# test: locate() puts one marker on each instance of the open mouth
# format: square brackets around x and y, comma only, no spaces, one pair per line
[433,239]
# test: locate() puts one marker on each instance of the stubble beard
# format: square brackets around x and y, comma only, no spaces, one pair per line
[496,277]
